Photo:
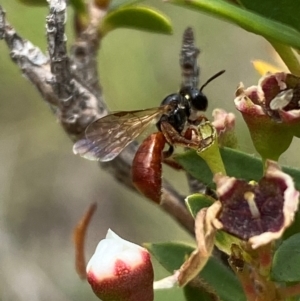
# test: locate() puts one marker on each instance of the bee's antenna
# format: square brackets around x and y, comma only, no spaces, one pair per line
[212,78]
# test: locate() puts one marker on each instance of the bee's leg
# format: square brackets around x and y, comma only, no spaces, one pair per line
[175,138]
[168,153]
[169,161]
[191,138]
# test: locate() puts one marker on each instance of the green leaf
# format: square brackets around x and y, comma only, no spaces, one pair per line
[283,11]
[289,57]
[294,228]
[171,256]
[242,165]
[246,19]
[193,293]
[238,164]
[286,261]
[197,201]
[195,166]
[136,17]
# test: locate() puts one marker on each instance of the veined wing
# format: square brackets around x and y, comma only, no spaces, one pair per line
[106,137]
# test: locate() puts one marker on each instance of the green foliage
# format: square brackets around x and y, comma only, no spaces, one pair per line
[285,11]
[171,256]
[137,17]
[194,293]
[196,202]
[278,22]
[246,19]
[121,14]
[238,164]
[286,261]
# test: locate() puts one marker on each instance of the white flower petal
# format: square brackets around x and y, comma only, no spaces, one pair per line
[110,250]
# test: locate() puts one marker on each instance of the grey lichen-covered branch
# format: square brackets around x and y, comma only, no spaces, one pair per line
[77,105]
[71,86]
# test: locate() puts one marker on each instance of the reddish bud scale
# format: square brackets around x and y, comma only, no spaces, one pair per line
[146,166]
[127,283]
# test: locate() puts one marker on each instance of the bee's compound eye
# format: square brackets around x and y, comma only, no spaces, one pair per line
[199,101]
[197,98]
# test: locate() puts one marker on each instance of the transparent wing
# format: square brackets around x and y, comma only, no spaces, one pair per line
[108,136]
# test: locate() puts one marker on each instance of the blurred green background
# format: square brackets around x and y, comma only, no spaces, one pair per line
[45,188]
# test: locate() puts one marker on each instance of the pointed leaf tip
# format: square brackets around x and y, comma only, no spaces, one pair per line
[136,17]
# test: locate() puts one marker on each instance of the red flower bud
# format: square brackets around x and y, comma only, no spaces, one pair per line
[120,271]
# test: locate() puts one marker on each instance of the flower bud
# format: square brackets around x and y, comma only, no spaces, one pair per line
[225,126]
[120,270]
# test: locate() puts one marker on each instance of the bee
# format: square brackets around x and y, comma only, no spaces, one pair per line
[176,119]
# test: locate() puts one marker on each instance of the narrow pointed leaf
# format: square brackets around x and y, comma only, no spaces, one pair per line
[136,17]
[283,11]
[246,19]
